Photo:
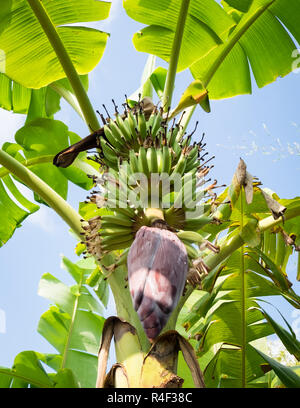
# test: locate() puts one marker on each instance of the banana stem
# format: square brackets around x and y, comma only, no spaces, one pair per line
[171,75]
[65,60]
[55,201]
[124,305]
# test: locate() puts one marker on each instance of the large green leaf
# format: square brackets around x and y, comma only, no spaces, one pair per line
[289,339]
[45,137]
[11,214]
[33,63]
[226,319]
[260,37]
[28,371]
[286,374]
[37,143]
[219,43]
[37,103]
[218,376]
[73,326]
[207,25]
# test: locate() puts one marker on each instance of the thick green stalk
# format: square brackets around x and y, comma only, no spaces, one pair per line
[269,222]
[28,163]
[65,60]
[124,305]
[55,201]
[68,97]
[171,75]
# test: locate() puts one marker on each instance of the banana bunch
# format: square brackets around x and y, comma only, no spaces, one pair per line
[140,141]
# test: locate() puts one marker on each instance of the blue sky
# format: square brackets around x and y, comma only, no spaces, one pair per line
[263,129]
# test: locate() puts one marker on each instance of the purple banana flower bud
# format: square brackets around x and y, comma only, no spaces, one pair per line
[157,270]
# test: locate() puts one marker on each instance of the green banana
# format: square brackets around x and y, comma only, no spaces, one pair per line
[160,161]
[117,245]
[132,125]
[192,252]
[223,212]
[190,236]
[94,277]
[142,161]
[134,165]
[197,223]
[142,127]
[176,148]
[105,231]
[127,212]
[166,160]
[112,140]
[115,238]
[156,124]
[172,135]
[117,133]
[152,160]
[108,152]
[151,120]
[180,166]
[120,219]
[125,130]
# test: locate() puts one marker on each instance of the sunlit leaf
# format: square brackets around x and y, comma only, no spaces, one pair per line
[33,63]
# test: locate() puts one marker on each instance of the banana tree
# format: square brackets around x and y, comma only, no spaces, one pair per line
[187,268]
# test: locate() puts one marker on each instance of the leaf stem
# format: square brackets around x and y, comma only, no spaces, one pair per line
[233,39]
[14,374]
[68,97]
[124,305]
[171,75]
[28,163]
[55,201]
[66,62]
[70,331]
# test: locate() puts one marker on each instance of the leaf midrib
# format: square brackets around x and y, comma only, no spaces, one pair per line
[228,46]
[70,332]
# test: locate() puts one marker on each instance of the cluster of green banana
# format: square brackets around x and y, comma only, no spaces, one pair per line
[142,143]
[147,144]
